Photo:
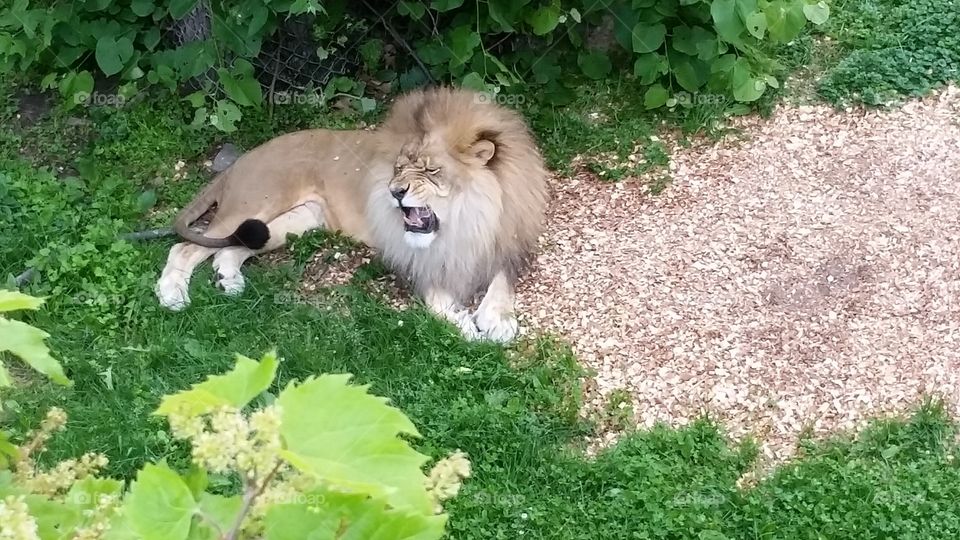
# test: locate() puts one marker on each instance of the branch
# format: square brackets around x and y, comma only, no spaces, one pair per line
[250,494]
[401,41]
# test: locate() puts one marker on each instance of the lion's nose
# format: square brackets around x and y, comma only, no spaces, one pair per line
[398,193]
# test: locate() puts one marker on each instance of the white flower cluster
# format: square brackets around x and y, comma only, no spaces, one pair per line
[15,520]
[227,440]
[446,477]
[98,519]
[64,474]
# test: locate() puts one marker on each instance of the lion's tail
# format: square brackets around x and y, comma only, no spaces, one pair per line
[252,233]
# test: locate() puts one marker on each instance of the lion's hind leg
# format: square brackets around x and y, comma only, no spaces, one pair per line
[298,220]
[172,288]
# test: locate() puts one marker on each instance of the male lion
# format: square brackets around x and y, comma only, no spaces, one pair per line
[451,190]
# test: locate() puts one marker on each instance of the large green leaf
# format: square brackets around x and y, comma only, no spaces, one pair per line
[506,13]
[544,19]
[112,53]
[817,13]
[179,8]
[595,65]
[445,5]
[159,505]
[649,67]
[656,97]
[350,517]
[648,37]
[726,20]
[785,19]
[235,388]
[240,84]
[13,301]
[746,87]
[351,439]
[27,343]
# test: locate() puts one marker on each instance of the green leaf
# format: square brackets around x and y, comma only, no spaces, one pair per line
[689,40]
[350,439]
[817,13]
[160,505]
[225,116]
[146,200]
[13,301]
[544,19]
[142,8]
[112,54]
[462,41]
[689,71]
[648,37]
[219,510]
[367,104]
[86,492]
[656,97]
[241,86]
[595,65]
[506,13]
[785,19]
[746,87]
[445,5]
[726,20]
[349,517]
[414,10]
[474,81]
[649,67]
[151,38]
[235,388]
[26,342]
[757,24]
[6,381]
[179,8]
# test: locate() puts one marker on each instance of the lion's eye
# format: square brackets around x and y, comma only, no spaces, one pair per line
[433,170]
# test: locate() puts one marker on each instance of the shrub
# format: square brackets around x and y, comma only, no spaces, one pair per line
[671,46]
[323,459]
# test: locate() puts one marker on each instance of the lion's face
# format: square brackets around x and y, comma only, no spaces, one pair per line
[427,181]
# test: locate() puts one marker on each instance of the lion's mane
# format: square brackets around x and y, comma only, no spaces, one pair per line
[491,230]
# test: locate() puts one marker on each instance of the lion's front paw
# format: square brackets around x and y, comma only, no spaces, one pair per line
[172,293]
[497,326]
[464,322]
[231,283]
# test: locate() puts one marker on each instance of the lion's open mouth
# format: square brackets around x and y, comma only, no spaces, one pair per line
[419,219]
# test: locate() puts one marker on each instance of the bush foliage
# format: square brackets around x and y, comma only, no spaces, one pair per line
[671,46]
[324,459]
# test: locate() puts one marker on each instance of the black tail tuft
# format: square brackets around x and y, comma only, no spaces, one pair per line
[252,233]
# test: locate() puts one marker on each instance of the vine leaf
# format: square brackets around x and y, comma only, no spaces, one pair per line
[351,439]
[648,37]
[159,506]
[236,388]
[817,13]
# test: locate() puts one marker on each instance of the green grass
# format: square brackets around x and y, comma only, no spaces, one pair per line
[891,49]
[514,411]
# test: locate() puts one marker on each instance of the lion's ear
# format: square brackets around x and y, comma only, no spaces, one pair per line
[483,150]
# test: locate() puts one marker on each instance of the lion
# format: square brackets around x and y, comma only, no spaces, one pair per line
[451,191]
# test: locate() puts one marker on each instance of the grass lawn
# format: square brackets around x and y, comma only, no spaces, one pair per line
[72,182]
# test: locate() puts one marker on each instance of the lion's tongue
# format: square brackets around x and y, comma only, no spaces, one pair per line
[413,216]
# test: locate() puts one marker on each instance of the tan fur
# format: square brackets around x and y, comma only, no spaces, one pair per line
[474,163]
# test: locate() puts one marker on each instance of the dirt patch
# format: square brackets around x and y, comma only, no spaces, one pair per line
[805,275]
